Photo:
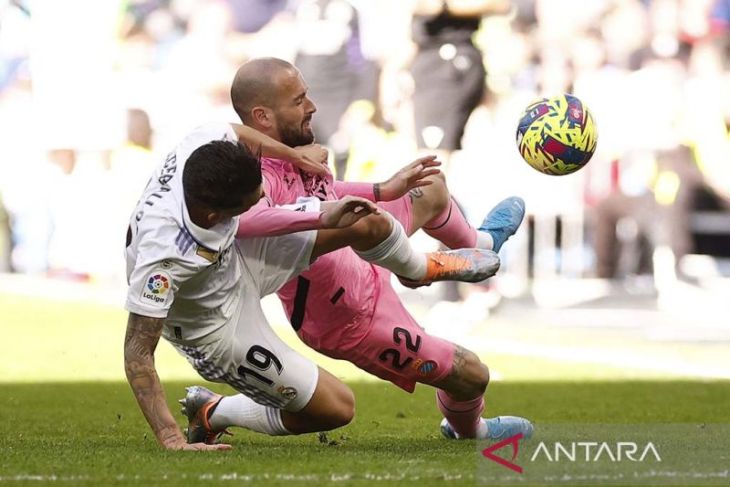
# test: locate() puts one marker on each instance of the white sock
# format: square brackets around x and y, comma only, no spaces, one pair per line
[484,240]
[482,430]
[396,254]
[241,411]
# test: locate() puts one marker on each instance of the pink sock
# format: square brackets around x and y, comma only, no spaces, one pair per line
[463,416]
[451,228]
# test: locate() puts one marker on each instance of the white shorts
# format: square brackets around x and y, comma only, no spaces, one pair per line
[246,353]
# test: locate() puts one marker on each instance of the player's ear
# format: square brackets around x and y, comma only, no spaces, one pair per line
[213,218]
[262,116]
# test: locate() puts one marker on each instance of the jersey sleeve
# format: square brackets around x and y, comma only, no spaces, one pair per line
[155,280]
[266,220]
[363,190]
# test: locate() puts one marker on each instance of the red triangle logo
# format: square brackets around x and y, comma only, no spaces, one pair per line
[512,440]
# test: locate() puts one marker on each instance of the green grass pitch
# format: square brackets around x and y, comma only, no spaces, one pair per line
[68,418]
[93,434]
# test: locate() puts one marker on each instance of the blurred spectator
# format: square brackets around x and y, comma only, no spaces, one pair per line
[25,179]
[5,243]
[447,69]
[131,164]
[14,41]
[449,78]
[70,246]
[331,59]
[250,16]
[654,73]
[659,211]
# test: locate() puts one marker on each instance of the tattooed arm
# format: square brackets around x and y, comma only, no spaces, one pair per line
[140,342]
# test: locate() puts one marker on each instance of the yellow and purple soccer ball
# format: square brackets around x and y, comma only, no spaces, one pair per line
[557,136]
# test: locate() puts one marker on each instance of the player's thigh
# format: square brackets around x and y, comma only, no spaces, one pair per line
[247,355]
[398,349]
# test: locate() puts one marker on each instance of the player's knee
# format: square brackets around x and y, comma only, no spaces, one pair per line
[367,233]
[443,197]
[439,197]
[375,228]
[482,377]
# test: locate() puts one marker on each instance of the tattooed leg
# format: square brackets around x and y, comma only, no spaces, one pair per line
[460,396]
[468,377]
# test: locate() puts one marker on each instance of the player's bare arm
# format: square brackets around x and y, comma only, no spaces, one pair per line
[414,175]
[140,342]
[310,158]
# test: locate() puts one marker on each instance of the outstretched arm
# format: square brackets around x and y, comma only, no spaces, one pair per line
[263,220]
[414,175]
[311,158]
[140,342]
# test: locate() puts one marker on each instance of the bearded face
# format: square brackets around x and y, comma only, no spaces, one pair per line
[293,111]
[297,132]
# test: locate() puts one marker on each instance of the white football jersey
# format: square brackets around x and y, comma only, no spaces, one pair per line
[175,269]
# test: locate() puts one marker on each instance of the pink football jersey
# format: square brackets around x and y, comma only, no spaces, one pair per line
[335,297]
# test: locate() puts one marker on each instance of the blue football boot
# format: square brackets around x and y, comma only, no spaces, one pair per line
[498,428]
[504,220]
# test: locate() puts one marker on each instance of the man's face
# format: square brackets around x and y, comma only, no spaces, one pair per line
[294,110]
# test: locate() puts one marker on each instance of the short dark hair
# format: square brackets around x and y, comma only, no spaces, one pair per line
[220,174]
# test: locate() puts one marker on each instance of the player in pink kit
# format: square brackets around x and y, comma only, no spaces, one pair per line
[344,306]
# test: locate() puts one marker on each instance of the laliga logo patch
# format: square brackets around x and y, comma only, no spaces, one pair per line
[157,287]
[158,284]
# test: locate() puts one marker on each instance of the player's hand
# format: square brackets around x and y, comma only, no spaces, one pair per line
[411,176]
[197,446]
[346,211]
[311,158]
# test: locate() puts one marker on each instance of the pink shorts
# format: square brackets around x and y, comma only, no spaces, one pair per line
[388,342]
[397,348]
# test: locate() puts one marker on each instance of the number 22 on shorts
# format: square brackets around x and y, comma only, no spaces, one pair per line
[401,335]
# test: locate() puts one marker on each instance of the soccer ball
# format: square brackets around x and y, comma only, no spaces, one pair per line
[557,135]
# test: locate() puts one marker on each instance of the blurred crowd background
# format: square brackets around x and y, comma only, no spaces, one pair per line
[94,93]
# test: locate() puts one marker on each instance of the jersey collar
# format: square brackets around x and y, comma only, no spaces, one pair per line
[215,238]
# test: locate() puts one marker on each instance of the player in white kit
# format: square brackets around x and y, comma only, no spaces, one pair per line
[191,282]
